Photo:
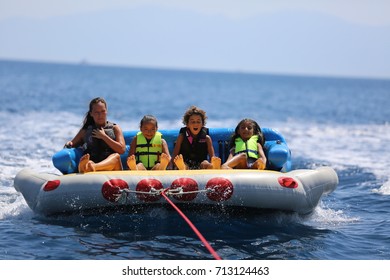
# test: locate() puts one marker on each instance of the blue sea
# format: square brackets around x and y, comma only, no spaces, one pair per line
[327,121]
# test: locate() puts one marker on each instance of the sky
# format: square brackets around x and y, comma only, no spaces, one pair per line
[348,38]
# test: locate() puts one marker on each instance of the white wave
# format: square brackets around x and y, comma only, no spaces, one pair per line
[365,146]
[384,189]
[29,140]
[12,204]
[324,217]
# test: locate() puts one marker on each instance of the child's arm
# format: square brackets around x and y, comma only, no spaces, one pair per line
[78,140]
[210,148]
[165,149]
[176,149]
[261,153]
[133,146]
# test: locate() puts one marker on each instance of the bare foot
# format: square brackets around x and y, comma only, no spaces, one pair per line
[216,162]
[164,161]
[90,167]
[179,161]
[225,166]
[260,164]
[83,163]
[131,163]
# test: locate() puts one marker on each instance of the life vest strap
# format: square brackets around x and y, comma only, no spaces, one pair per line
[247,151]
[147,153]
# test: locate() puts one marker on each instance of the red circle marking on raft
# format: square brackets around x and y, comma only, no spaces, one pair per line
[51,185]
[111,190]
[186,185]
[288,182]
[146,185]
[222,189]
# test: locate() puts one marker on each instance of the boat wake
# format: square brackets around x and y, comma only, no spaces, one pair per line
[384,189]
[12,204]
[344,146]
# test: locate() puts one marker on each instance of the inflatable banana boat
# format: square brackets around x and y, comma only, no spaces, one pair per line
[277,187]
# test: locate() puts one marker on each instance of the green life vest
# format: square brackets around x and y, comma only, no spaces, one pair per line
[249,147]
[148,152]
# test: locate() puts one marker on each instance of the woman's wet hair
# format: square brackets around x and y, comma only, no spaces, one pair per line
[88,120]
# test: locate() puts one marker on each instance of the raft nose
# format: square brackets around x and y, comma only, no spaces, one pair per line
[332,179]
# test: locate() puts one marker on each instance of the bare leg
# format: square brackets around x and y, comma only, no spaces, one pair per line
[83,163]
[179,161]
[238,161]
[112,162]
[131,163]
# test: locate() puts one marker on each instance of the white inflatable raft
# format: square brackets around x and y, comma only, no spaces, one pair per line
[298,190]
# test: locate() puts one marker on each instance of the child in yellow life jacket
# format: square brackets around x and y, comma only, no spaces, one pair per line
[148,150]
[246,147]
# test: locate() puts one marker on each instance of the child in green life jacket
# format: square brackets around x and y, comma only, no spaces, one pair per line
[148,150]
[246,147]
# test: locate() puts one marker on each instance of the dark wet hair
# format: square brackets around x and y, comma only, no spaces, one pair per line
[148,118]
[88,120]
[256,131]
[193,110]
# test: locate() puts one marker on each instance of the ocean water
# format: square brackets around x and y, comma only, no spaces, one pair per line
[338,122]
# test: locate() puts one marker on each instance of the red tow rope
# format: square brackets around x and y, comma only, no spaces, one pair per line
[197,232]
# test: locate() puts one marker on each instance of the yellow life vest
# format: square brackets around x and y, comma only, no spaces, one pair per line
[249,147]
[148,152]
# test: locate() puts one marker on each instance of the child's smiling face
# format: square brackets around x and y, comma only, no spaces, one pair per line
[195,124]
[246,130]
[149,129]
